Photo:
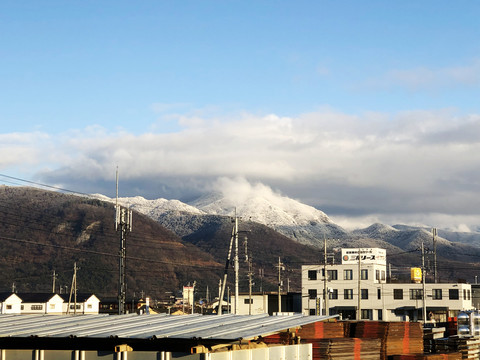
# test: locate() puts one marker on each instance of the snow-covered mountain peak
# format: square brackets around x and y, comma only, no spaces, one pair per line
[271,210]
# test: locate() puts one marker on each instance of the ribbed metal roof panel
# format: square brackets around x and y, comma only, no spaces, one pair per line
[227,326]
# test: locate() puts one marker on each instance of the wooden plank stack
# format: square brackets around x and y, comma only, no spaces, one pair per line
[430,337]
[323,330]
[382,340]
[404,338]
[345,349]
[449,356]
[469,347]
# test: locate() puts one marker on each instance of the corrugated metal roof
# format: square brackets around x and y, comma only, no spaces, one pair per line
[227,326]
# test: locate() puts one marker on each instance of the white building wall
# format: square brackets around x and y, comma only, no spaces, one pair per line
[259,304]
[380,303]
[11,305]
[92,305]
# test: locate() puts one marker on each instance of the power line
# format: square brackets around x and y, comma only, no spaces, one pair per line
[104,253]
[44,185]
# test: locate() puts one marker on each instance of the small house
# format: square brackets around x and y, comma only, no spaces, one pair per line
[10,303]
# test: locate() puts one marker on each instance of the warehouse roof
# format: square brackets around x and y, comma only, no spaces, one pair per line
[152,326]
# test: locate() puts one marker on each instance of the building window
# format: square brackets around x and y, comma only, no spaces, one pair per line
[312,274]
[380,314]
[348,274]
[21,307]
[36,307]
[377,275]
[366,314]
[332,274]
[364,293]
[398,294]
[383,275]
[248,301]
[312,293]
[89,306]
[453,294]
[437,294]
[468,294]
[348,294]
[364,274]
[52,306]
[416,294]
[333,294]
[379,293]
[312,312]
[73,307]
[9,307]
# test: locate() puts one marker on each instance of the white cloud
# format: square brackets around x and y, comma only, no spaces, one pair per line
[419,162]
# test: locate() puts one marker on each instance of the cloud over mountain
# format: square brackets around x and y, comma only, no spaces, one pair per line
[417,165]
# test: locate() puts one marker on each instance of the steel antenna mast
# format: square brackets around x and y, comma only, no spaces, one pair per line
[123,222]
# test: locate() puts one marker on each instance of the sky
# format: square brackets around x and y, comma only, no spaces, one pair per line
[367,110]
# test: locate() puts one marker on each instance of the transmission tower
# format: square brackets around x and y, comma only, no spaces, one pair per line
[123,223]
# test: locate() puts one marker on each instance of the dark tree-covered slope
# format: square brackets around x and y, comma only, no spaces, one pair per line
[44,231]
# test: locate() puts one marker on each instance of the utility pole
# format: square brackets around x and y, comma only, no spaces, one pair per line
[236,264]
[435,274]
[280,268]
[250,284]
[73,289]
[193,296]
[359,305]
[325,276]
[423,286]
[261,273]
[123,223]
[54,277]
[223,283]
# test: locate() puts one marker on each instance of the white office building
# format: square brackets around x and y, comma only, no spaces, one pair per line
[358,288]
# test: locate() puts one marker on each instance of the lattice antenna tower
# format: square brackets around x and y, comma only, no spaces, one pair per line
[123,223]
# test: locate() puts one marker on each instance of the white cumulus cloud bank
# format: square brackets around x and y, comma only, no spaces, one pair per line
[374,165]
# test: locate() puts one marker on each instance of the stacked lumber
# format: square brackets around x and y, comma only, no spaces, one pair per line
[404,338]
[371,329]
[430,335]
[449,356]
[468,347]
[322,330]
[345,349]
[283,337]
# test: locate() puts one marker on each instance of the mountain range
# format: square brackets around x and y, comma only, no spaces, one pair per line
[173,243]
[309,226]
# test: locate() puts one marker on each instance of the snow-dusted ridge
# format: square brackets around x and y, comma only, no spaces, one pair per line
[284,212]
[152,208]
[278,211]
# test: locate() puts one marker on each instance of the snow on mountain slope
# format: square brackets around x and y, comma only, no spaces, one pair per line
[153,208]
[272,211]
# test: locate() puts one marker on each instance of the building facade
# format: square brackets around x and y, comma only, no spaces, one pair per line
[358,289]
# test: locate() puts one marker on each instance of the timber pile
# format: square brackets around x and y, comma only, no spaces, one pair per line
[468,347]
[430,335]
[284,337]
[397,337]
[370,329]
[404,338]
[449,356]
[345,349]
[322,330]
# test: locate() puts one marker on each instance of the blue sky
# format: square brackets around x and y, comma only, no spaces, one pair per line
[173,91]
